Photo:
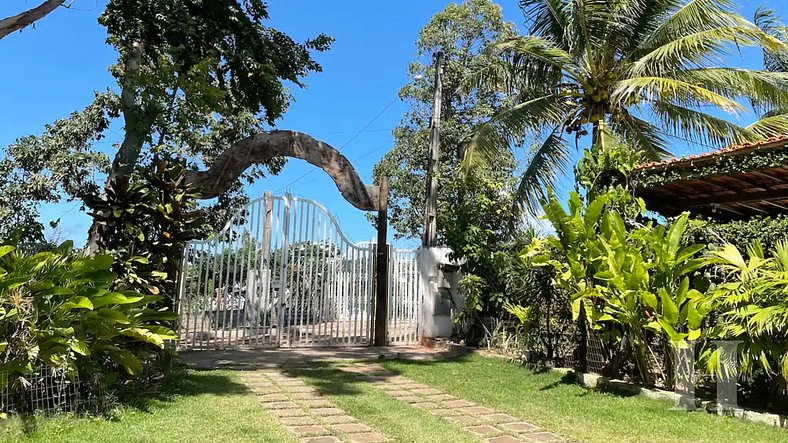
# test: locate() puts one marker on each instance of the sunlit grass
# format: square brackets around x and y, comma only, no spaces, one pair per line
[194,407]
[554,402]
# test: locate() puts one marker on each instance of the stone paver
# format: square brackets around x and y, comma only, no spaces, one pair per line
[488,424]
[483,430]
[503,439]
[519,426]
[372,437]
[337,419]
[310,430]
[305,412]
[323,439]
[350,428]
[542,436]
[303,420]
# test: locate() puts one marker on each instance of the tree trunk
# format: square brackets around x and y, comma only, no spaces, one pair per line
[258,148]
[27,18]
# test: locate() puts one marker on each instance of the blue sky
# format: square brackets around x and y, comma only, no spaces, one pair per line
[54,69]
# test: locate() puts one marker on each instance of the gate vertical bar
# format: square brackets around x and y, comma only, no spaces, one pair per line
[283,269]
[265,262]
[381,277]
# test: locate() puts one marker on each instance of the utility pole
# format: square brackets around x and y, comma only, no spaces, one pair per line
[431,210]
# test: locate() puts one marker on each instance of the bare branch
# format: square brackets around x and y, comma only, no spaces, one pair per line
[231,163]
[27,18]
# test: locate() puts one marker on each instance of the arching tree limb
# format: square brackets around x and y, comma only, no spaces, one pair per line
[260,147]
[27,18]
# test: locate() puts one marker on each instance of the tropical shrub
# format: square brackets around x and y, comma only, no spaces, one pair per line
[634,281]
[480,231]
[58,309]
[144,223]
[753,309]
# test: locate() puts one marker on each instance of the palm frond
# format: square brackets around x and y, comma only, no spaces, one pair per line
[766,19]
[510,124]
[697,126]
[770,126]
[671,90]
[643,136]
[702,48]
[530,47]
[764,89]
[549,160]
[678,19]
[549,19]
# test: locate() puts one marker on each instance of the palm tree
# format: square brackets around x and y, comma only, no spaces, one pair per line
[642,71]
[766,19]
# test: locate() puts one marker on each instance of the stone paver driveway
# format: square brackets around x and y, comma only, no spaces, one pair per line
[315,419]
[488,424]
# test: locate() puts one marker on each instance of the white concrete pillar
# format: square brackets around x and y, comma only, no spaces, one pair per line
[441,295]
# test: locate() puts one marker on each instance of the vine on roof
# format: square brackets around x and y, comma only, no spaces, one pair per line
[722,165]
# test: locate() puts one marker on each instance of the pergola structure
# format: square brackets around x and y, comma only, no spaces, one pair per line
[733,183]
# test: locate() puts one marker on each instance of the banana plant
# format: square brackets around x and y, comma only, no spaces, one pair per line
[630,278]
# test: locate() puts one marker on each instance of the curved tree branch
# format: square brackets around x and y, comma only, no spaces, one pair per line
[263,146]
[27,18]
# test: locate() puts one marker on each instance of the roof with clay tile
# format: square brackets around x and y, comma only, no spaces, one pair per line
[690,160]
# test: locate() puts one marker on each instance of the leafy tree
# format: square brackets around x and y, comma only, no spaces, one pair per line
[460,31]
[194,80]
[645,70]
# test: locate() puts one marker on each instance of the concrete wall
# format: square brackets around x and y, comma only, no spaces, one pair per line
[442,297]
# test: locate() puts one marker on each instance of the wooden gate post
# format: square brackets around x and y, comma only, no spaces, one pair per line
[382,267]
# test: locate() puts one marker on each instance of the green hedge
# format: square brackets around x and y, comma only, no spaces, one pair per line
[767,230]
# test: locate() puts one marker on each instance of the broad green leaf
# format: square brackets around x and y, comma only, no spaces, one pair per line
[78,302]
[8,284]
[669,309]
[668,328]
[681,293]
[649,299]
[116,298]
[128,360]
[675,233]
[6,249]
[114,316]
[79,346]
[103,262]
[144,335]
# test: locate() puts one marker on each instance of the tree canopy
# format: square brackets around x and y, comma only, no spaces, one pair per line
[193,78]
[647,71]
[461,32]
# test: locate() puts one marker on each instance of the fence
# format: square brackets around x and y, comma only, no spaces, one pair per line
[45,390]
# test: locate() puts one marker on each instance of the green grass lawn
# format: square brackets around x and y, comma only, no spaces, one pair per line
[552,401]
[371,405]
[193,407]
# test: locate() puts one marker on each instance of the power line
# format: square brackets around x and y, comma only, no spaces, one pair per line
[343,145]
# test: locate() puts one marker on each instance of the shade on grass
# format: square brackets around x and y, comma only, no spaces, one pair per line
[374,407]
[552,401]
[194,407]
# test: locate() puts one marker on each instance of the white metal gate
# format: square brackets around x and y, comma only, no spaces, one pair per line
[282,273]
